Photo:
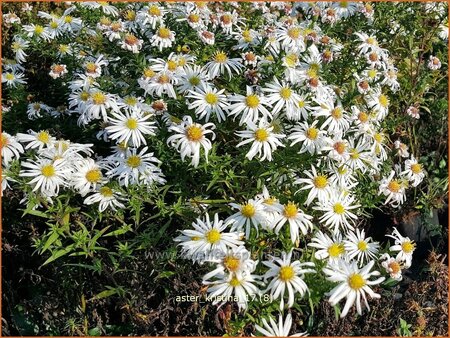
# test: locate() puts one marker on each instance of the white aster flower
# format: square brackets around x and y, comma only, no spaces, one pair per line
[249,106]
[190,137]
[318,185]
[86,176]
[404,246]
[353,285]
[280,329]
[413,171]
[296,218]
[331,248]
[286,276]
[106,198]
[249,213]
[208,101]
[360,247]
[10,148]
[263,138]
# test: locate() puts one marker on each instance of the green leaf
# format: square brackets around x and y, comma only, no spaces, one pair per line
[105,294]
[53,237]
[58,254]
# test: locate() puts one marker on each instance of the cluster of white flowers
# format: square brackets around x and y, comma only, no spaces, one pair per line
[282,99]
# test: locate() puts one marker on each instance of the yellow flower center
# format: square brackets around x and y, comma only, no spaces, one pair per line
[338,208]
[408,247]
[211,98]
[291,60]
[221,57]
[195,81]
[84,96]
[93,175]
[371,41]
[10,76]
[232,263]
[132,123]
[172,65]
[194,18]
[286,273]
[106,191]
[98,98]
[105,21]
[356,281]
[312,133]
[154,11]
[54,24]
[372,73]
[384,101]
[270,200]
[131,40]
[3,141]
[48,170]
[416,168]
[301,104]
[247,36]
[148,72]
[340,147]
[248,210]
[43,136]
[320,181]
[130,15]
[131,100]
[163,79]
[395,267]
[336,113]
[91,67]
[38,29]
[164,33]
[363,117]
[394,186]
[362,246]
[343,4]
[252,101]
[294,33]
[261,135]
[194,133]
[134,161]
[234,282]
[354,154]
[285,93]
[15,46]
[213,236]
[335,250]
[290,210]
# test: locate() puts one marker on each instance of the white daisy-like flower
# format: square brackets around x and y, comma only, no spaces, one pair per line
[291,38]
[393,266]
[280,329]
[18,47]
[249,106]
[353,285]
[135,167]
[434,63]
[159,84]
[360,247]
[152,14]
[296,218]
[58,70]
[233,286]
[337,212]
[404,246]
[207,101]
[86,176]
[37,31]
[221,63]
[163,38]
[286,276]
[248,214]
[131,126]
[368,43]
[10,148]
[194,77]
[337,120]
[132,43]
[190,137]
[318,185]
[106,197]
[378,102]
[402,149]
[413,171]
[93,67]
[208,239]
[104,6]
[413,112]
[331,248]
[36,140]
[12,78]
[263,138]
[235,260]
[99,104]
[312,138]
[47,176]
[394,189]
[281,95]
